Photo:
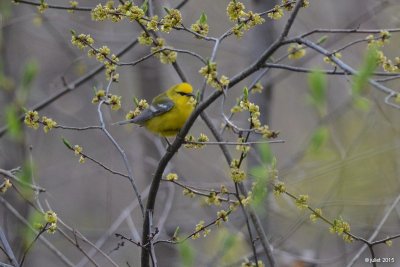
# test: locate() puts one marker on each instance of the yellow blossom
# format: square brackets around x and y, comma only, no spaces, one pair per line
[48,124]
[296,51]
[276,13]
[172,177]
[5,185]
[32,119]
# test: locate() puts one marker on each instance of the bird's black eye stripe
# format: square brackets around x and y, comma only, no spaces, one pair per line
[183,93]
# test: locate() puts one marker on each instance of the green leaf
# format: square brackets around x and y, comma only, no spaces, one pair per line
[367,68]
[136,101]
[259,190]
[176,232]
[67,143]
[322,39]
[145,6]
[362,103]
[229,242]
[14,125]
[319,137]
[245,93]
[317,93]
[203,18]
[26,178]
[29,74]
[265,153]
[187,254]
[167,10]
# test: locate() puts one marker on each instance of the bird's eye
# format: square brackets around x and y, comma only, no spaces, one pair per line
[183,94]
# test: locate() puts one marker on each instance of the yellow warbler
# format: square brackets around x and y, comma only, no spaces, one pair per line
[168,111]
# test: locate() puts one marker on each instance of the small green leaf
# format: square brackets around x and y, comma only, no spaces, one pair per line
[136,101]
[229,242]
[319,137]
[362,103]
[176,232]
[318,84]
[187,254]
[265,153]
[167,10]
[367,68]
[259,190]
[245,93]
[13,123]
[73,32]
[203,18]
[145,6]
[29,74]
[322,39]
[67,143]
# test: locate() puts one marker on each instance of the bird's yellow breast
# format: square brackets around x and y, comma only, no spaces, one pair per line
[170,123]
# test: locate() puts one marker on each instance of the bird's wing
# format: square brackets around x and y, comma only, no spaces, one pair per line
[160,105]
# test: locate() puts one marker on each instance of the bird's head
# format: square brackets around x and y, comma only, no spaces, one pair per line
[182,92]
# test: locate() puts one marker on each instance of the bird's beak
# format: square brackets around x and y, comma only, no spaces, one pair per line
[122,122]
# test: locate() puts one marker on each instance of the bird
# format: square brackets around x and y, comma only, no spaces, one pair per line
[168,111]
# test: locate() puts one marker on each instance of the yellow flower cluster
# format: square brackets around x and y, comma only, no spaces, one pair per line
[113,100]
[82,40]
[74,5]
[252,264]
[296,51]
[246,105]
[213,199]
[116,14]
[328,60]
[209,72]
[51,219]
[152,24]
[100,94]
[279,188]
[257,88]
[172,177]
[140,106]
[378,41]
[237,175]
[189,139]
[33,120]
[78,152]
[342,228]
[316,215]
[165,56]
[387,64]
[48,124]
[5,185]
[171,20]
[242,148]
[235,10]
[222,216]
[43,6]
[188,192]
[145,39]
[200,28]
[200,228]
[276,13]
[301,201]
[245,20]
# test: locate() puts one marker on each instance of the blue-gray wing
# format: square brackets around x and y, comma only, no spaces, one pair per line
[155,109]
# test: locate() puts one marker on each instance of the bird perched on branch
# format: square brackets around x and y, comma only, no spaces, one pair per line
[168,111]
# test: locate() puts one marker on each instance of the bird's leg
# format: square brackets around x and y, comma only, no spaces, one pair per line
[166,139]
